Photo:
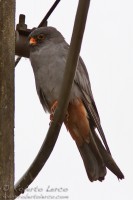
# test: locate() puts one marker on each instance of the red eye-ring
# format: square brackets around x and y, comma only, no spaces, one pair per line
[41,37]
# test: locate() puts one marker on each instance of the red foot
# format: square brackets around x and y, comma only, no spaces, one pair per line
[52,110]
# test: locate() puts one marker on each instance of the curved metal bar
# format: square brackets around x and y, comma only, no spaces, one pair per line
[54,129]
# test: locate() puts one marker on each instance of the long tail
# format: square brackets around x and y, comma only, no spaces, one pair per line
[108,160]
[96,159]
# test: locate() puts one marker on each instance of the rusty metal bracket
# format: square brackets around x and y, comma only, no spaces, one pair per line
[22,33]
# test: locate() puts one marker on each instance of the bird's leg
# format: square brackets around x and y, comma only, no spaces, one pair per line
[52,110]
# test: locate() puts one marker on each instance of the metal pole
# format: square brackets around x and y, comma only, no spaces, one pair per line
[7,52]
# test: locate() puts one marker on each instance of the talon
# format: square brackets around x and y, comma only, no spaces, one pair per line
[51,116]
[51,119]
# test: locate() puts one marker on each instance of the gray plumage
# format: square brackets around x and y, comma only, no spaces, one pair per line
[43,56]
[48,59]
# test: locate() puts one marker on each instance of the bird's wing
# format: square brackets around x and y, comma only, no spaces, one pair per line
[82,81]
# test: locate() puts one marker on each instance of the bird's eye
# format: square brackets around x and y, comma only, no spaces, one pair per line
[41,37]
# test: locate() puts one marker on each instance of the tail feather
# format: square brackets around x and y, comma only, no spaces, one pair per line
[90,161]
[108,160]
[96,159]
[97,154]
[95,167]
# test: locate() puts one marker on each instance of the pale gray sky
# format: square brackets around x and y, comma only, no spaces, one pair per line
[106,50]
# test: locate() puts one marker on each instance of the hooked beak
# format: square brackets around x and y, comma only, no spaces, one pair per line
[32,41]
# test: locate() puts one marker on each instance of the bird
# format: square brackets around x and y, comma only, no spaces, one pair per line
[48,56]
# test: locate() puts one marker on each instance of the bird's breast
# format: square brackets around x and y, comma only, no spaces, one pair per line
[48,69]
[49,66]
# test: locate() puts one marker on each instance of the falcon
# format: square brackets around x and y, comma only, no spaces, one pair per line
[48,55]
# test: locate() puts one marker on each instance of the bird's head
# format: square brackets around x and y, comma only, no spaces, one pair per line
[44,35]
